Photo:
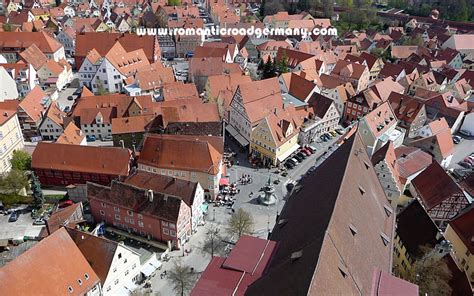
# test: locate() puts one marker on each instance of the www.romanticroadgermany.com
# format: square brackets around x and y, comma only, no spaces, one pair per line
[251,31]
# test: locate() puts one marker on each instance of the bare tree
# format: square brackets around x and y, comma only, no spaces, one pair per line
[431,273]
[213,243]
[182,278]
[240,223]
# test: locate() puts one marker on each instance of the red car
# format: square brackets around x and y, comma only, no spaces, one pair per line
[306,151]
[65,204]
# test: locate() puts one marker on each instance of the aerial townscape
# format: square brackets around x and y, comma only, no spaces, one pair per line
[236,147]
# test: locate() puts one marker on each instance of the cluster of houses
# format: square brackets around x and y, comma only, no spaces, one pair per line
[400,106]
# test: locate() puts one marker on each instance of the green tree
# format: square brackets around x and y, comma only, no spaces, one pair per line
[328,8]
[240,223]
[181,278]
[13,181]
[37,192]
[213,243]
[282,65]
[303,5]
[21,160]
[7,27]
[174,2]
[268,69]
[100,88]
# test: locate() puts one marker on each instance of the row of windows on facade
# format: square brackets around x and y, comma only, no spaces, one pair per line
[170,172]
[117,281]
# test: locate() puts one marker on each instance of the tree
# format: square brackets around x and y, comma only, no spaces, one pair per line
[328,8]
[21,160]
[431,273]
[268,69]
[37,192]
[13,181]
[100,88]
[174,2]
[272,8]
[282,65]
[240,223]
[182,278]
[213,243]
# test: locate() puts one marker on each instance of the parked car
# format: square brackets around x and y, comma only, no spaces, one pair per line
[107,138]
[14,216]
[290,186]
[294,161]
[39,221]
[469,160]
[465,164]
[466,133]
[305,151]
[328,135]
[289,164]
[298,157]
[339,131]
[333,133]
[323,137]
[312,148]
[302,155]
[457,139]
[90,138]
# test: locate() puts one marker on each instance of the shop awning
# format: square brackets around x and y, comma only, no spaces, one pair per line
[288,152]
[224,181]
[150,266]
[237,136]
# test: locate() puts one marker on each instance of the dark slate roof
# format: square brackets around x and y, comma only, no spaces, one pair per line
[136,199]
[415,228]
[319,104]
[316,250]
[433,193]
[184,190]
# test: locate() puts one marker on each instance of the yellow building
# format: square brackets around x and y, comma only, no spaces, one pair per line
[460,232]
[11,138]
[276,137]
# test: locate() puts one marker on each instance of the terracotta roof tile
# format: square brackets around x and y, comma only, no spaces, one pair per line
[132,124]
[55,260]
[71,135]
[32,103]
[179,152]
[25,39]
[77,158]
[34,56]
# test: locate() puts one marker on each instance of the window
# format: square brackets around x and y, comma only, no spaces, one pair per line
[353,229]
[388,210]
[172,226]
[165,223]
[79,281]
[116,209]
[120,255]
[362,190]
[117,217]
[126,272]
[385,239]
[130,213]
[140,223]
[172,233]
[116,282]
[109,288]
[166,231]
[70,289]
[103,205]
[134,265]
[86,276]
[140,216]
[102,213]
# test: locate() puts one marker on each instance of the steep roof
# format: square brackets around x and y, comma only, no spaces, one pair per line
[387,153]
[315,248]
[462,225]
[62,217]
[132,124]
[387,284]
[185,190]
[443,139]
[56,260]
[78,158]
[42,40]
[32,103]
[153,76]
[126,62]
[104,41]
[180,152]
[222,82]
[185,111]
[411,160]
[34,56]
[380,119]
[71,135]
[405,107]
[98,251]
[416,229]
[136,199]
[433,193]
[319,104]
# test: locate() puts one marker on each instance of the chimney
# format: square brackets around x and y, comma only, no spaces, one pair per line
[150,195]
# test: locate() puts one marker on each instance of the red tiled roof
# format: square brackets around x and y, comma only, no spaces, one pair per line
[77,158]
[386,284]
[25,39]
[56,260]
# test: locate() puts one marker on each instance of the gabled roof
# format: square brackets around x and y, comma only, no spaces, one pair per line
[180,91]
[132,124]
[316,250]
[462,225]
[98,251]
[380,119]
[153,76]
[137,200]
[319,105]
[300,87]
[218,83]
[62,217]
[294,57]
[411,160]
[34,56]
[433,193]
[405,107]
[71,135]
[78,158]
[127,63]
[185,190]
[443,139]
[56,260]
[180,152]
[42,40]
[387,153]
[416,229]
[189,111]
[55,114]
[32,103]
[388,284]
